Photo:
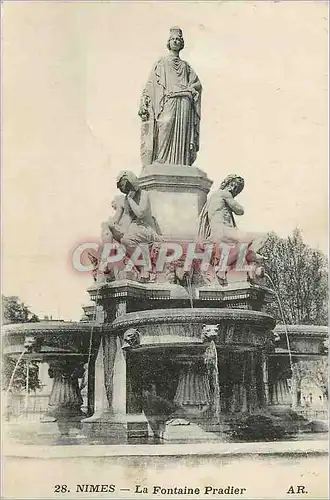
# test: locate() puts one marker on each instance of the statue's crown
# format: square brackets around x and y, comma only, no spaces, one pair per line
[175,30]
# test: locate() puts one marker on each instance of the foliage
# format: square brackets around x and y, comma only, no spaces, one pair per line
[299,275]
[321,376]
[19,381]
[314,371]
[15,311]
[263,426]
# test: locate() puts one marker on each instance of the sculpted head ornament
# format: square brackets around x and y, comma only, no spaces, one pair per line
[210,332]
[131,338]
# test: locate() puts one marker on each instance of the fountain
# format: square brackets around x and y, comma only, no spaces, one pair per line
[182,351]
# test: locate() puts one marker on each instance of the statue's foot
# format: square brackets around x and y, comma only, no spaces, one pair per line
[144,278]
[250,277]
[223,281]
[222,278]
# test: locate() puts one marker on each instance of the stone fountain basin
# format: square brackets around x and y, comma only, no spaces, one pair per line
[163,327]
[48,339]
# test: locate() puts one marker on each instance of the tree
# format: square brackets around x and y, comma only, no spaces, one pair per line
[314,371]
[15,311]
[321,376]
[19,381]
[299,275]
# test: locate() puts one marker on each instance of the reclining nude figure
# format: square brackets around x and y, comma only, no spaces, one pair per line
[217,224]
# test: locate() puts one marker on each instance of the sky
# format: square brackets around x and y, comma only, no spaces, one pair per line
[73,73]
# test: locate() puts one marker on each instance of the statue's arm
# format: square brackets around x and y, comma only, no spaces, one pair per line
[144,106]
[194,81]
[196,86]
[232,203]
[145,102]
[139,209]
[118,214]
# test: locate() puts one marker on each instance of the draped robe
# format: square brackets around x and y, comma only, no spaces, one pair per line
[171,132]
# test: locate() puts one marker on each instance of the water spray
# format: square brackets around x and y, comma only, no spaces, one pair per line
[211,361]
[285,326]
[25,351]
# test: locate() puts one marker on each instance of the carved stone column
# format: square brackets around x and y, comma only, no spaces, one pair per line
[118,380]
[280,388]
[65,400]
[108,420]
[237,382]
[109,345]
[265,382]
[103,423]
[109,379]
[97,380]
[253,397]
[281,393]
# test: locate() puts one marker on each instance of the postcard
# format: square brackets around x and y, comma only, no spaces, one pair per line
[164,251]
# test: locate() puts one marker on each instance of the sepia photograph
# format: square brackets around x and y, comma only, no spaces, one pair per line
[164,289]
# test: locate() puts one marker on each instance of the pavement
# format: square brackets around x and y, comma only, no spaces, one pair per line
[310,447]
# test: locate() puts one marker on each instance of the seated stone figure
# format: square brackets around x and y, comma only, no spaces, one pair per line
[109,274]
[217,223]
[133,222]
[127,226]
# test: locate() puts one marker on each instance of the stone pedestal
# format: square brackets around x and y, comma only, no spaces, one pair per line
[64,413]
[177,195]
[110,422]
[193,391]
[280,381]
[65,400]
[281,394]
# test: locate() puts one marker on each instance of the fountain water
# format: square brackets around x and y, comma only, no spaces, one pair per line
[211,361]
[14,371]
[27,386]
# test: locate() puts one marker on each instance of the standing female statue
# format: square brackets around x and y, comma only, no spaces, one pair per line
[170,109]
